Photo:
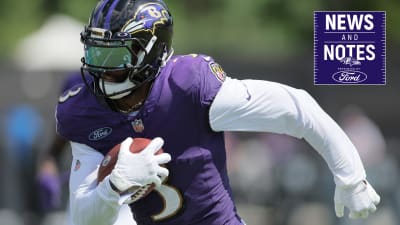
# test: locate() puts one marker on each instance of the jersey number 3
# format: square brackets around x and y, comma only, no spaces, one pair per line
[172,200]
[68,94]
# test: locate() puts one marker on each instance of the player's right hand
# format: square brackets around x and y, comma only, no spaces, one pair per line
[139,169]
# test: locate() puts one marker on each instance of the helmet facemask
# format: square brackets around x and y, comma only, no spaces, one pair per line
[121,55]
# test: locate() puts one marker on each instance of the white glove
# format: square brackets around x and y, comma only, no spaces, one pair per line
[134,170]
[361,199]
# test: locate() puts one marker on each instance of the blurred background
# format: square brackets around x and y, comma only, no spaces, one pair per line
[277,180]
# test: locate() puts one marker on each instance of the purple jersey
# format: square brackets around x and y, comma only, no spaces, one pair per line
[197,190]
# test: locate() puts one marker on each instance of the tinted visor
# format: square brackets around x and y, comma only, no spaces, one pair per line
[109,55]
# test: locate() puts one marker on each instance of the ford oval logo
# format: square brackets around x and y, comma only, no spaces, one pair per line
[350,77]
[100,133]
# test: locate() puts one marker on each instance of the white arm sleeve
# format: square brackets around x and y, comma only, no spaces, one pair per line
[91,203]
[254,105]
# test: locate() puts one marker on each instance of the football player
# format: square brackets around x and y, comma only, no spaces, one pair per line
[183,103]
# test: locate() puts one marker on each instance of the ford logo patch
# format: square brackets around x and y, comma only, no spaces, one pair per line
[350,77]
[100,133]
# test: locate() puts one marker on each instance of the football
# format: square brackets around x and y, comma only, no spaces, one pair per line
[109,161]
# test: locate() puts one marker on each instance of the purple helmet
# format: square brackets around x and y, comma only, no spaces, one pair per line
[125,44]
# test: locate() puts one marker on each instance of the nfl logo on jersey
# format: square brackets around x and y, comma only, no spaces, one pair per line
[138,126]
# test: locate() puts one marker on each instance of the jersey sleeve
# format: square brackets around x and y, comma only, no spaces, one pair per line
[65,109]
[210,80]
[198,77]
[77,115]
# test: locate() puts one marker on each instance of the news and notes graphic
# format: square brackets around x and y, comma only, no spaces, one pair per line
[349,48]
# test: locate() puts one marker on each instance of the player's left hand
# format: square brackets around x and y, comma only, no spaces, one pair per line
[361,199]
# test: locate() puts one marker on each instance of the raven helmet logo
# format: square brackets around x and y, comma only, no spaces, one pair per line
[147,17]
